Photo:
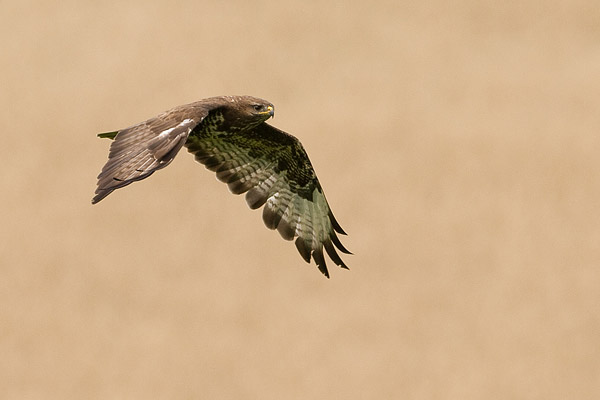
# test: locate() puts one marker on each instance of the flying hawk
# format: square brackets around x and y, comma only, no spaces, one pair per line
[229,135]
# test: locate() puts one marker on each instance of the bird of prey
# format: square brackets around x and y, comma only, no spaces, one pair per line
[229,135]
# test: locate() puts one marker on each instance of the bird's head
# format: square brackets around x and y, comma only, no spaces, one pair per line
[256,108]
[252,110]
[245,112]
[261,109]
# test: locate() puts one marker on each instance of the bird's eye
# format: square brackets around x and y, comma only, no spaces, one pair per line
[258,107]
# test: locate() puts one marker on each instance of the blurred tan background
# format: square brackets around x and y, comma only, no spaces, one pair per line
[458,146]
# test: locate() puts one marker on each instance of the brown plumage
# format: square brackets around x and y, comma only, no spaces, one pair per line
[228,134]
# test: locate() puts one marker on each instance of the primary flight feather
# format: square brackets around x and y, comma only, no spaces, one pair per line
[229,135]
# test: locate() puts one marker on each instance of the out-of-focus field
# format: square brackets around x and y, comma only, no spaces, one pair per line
[458,144]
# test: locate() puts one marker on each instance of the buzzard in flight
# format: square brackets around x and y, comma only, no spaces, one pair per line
[228,134]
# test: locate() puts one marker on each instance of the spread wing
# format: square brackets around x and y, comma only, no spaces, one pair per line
[141,149]
[273,169]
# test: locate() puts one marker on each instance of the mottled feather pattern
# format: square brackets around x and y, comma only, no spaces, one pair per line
[229,136]
[273,169]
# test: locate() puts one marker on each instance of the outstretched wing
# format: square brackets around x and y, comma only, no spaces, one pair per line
[141,149]
[273,169]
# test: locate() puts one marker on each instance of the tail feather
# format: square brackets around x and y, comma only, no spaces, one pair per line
[108,135]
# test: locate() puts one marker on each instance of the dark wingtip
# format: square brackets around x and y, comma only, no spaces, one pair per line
[320,261]
[100,195]
[339,244]
[335,224]
[303,249]
[334,255]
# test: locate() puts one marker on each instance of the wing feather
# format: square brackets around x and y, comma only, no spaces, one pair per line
[140,150]
[274,171]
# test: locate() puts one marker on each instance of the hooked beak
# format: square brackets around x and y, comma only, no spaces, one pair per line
[268,113]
